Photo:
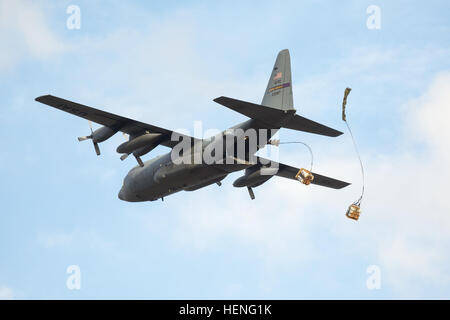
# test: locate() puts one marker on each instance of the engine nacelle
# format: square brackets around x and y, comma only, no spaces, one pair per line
[144,150]
[99,135]
[102,134]
[140,144]
[254,177]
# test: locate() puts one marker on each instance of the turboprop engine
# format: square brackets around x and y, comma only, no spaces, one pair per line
[99,135]
[254,177]
[140,145]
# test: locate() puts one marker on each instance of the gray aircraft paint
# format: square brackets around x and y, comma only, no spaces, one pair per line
[160,176]
[280,78]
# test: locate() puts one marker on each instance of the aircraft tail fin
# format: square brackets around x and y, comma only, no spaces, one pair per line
[278,93]
[277,107]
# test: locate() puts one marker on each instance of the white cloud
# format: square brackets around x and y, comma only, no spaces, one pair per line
[432,115]
[25,33]
[412,190]
[167,69]
[86,239]
[375,69]
[405,220]
[6,293]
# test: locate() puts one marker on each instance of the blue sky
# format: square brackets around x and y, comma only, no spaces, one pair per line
[163,63]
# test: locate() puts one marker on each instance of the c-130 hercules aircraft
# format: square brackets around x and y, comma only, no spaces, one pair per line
[166,174]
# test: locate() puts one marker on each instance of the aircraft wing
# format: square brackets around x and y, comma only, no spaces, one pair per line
[289,172]
[126,125]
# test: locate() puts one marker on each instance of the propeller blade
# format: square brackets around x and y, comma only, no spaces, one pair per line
[250,192]
[96,147]
[87,137]
[139,161]
[124,156]
[90,126]
[84,138]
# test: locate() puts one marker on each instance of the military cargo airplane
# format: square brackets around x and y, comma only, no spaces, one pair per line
[164,175]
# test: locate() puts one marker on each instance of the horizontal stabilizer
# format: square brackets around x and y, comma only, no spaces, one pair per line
[303,124]
[289,172]
[276,118]
[258,112]
[325,181]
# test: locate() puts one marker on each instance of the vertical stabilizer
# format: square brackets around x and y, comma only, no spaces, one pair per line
[278,94]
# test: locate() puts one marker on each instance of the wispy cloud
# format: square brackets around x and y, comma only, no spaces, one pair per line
[6,293]
[404,223]
[75,239]
[165,70]
[25,33]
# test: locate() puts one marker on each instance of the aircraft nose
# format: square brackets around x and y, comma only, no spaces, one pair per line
[121,194]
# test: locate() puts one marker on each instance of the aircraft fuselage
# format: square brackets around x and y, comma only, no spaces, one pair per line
[207,161]
[160,176]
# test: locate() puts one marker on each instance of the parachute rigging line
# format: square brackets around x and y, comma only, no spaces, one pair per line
[344,118]
[309,148]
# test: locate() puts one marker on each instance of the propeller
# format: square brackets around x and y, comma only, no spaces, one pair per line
[91,136]
[138,159]
[87,137]
[251,193]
